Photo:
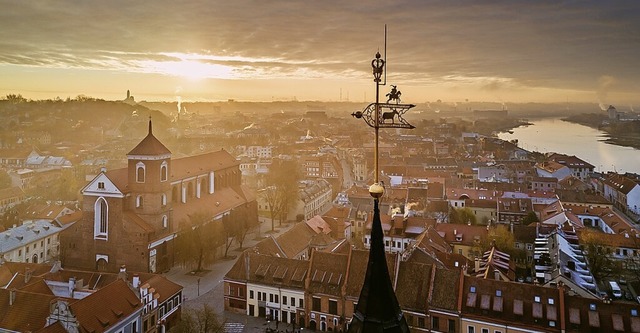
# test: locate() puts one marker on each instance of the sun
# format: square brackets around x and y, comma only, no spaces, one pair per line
[188,67]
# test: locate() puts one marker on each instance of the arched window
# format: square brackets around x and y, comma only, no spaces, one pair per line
[190,190]
[163,200]
[139,201]
[101,219]
[164,173]
[175,194]
[140,172]
[165,221]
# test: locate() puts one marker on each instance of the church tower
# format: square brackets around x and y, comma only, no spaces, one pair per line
[149,167]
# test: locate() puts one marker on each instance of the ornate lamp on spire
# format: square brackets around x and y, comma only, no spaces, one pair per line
[378,309]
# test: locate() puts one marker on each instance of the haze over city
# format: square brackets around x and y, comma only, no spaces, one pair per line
[280,50]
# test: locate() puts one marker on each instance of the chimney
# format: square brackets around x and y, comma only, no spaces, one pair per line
[27,275]
[136,280]
[123,272]
[12,296]
[72,286]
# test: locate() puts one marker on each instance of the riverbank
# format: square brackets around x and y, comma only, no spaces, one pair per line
[620,133]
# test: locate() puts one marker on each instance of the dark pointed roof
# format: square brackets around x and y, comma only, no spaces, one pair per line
[378,309]
[150,145]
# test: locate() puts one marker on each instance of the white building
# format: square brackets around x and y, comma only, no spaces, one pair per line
[32,242]
[314,198]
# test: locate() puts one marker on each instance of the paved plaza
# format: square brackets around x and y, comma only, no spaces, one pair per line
[208,288]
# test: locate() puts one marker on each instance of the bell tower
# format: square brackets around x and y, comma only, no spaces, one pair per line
[148,171]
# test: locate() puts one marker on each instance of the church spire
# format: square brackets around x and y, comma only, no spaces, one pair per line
[378,310]
[150,127]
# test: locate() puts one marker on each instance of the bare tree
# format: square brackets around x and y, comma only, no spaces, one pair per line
[597,254]
[197,243]
[281,192]
[202,320]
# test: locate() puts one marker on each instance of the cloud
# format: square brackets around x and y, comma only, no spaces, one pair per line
[510,43]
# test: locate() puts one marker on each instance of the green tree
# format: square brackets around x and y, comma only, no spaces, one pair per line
[501,237]
[462,216]
[203,320]
[530,218]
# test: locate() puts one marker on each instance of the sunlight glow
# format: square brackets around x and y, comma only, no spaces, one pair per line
[189,69]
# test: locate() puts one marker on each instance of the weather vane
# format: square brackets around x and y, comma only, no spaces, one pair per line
[383,115]
[378,309]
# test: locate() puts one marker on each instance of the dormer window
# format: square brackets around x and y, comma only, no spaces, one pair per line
[140,172]
[101,185]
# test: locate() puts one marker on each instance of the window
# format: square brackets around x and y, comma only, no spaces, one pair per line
[452,326]
[140,172]
[529,247]
[435,323]
[271,298]
[139,201]
[551,301]
[420,321]
[101,219]
[592,307]
[165,221]
[316,304]
[485,330]
[471,329]
[163,172]
[284,300]
[250,294]
[163,200]
[472,289]
[277,298]
[301,303]
[536,299]
[333,307]
[101,185]
[498,293]
[293,301]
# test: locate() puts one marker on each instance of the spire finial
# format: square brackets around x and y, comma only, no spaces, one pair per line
[150,129]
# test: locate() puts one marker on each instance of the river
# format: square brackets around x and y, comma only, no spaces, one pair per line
[554,135]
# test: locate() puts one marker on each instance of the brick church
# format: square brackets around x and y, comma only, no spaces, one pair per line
[131,215]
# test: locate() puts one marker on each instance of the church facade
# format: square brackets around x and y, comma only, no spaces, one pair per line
[132,215]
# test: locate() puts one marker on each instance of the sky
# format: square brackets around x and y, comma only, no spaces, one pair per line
[202,50]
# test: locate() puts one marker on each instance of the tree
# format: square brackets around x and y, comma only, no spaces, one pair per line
[467,216]
[597,254]
[281,192]
[5,180]
[196,245]
[202,320]
[501,237]
[530,218]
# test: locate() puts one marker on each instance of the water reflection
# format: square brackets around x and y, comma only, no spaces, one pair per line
[555,135]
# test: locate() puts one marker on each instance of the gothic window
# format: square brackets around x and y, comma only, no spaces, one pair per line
[139,201]
[140,172]
[164,200]
[165,221]
[101,219]
[164,174]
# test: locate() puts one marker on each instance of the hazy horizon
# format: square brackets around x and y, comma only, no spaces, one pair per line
[262,51]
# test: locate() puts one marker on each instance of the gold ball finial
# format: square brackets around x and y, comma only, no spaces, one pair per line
[376,190]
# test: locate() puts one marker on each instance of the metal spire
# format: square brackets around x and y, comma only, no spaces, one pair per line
[378,309]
